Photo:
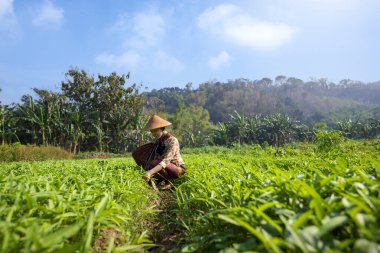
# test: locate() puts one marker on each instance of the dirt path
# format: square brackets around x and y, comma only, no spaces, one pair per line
[166,232]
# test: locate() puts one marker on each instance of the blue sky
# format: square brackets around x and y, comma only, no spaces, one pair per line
[171,43]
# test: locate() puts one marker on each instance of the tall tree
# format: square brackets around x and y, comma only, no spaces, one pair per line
[107,108]
[193,125]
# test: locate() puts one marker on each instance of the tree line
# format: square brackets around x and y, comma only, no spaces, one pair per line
[87,113]
[309,102]
[104,113]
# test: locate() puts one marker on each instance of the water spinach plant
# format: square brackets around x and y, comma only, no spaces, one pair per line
[291,199]
[298,198]
[73,206]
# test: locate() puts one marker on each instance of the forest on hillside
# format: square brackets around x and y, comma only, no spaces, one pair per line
[307,101]
[105,113]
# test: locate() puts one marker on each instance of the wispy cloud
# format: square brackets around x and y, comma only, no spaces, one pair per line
[143,29]
[126,61]
[166,62]
[220,60]
[234,24]
[149,27]
[49,15]
[8,19]
[143,34]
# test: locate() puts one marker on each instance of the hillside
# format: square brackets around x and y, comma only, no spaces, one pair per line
[311,101]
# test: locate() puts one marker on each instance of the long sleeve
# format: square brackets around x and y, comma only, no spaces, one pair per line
[171,152]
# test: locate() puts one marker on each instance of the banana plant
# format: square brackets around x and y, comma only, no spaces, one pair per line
[76,131]
[32,119]
[8,129]
[221,134]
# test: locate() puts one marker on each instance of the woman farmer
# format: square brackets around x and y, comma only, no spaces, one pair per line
[161,158]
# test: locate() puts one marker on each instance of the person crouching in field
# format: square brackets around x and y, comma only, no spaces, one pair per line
[161,158]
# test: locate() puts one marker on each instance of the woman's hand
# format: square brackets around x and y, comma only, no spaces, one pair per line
[147,177]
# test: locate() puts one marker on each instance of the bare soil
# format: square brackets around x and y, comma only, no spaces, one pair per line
[165,230]
[105,237]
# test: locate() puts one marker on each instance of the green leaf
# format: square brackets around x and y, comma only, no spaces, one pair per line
[102,204]
[61,234]
[133,248]
[228,219]
[235,220]
[332,224]
[365,246]
[298,239]
[302,219]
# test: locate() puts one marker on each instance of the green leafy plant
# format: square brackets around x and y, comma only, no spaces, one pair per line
[328,141]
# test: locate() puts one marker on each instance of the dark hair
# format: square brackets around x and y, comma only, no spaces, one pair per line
[162,128]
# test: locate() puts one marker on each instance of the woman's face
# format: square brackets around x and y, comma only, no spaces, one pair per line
[157,133]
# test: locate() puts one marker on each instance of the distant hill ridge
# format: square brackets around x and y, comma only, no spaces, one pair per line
[310,101]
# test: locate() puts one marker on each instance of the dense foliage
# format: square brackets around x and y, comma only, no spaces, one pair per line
[18,152]
[306,101]
[278,130]
[88,114]
[72,206]
[102,114]
[323,198]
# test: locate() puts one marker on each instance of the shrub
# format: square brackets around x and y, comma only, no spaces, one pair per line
[95,154]
[328,141]
[18,152]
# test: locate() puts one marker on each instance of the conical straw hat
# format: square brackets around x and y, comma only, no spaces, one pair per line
[156,122]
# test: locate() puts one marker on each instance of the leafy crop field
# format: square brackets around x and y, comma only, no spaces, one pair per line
[299,198]
[72,206]
[293,199]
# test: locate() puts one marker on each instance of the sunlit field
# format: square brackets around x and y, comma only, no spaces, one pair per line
[71,205]
[299,198]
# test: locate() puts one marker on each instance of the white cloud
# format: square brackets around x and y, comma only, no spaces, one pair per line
[143,29]
[166,62]
[128,60]
[143,32]
[329,3]
[49,15]
[121,23]
[8,20]
[220,60]
[6,7]
[234,24]
[148,26]
[212,17]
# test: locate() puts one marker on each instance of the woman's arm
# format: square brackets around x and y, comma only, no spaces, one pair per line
[171,147]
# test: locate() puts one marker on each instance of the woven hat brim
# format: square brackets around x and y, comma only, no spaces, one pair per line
[156,122]
[147,128]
